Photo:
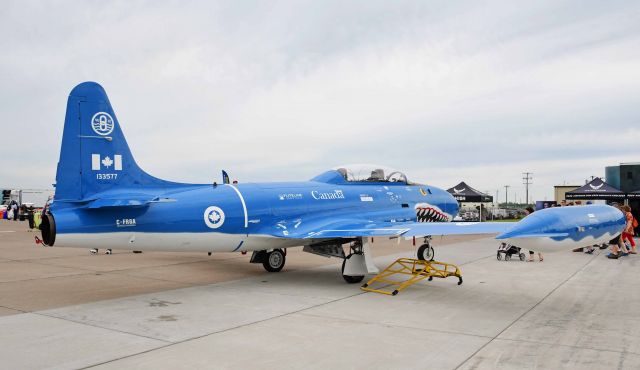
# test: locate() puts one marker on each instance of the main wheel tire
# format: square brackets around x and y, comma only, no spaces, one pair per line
[349,278]
[507,257]
[425,252]
[522,257]
[499,256]
[274,261]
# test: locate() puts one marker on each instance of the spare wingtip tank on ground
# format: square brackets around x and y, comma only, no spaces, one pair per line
[103,199]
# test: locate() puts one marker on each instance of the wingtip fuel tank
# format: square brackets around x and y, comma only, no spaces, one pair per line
[563,228]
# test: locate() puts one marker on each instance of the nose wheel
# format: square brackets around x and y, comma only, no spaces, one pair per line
[425,252]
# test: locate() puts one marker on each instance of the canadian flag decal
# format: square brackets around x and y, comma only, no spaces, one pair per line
[98,162]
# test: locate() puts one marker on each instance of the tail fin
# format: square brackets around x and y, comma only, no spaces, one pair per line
[95,156]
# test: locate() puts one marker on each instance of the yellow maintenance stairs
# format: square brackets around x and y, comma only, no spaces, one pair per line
[416,269]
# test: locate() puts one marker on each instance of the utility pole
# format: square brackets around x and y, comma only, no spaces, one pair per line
[506,193]
[526,180]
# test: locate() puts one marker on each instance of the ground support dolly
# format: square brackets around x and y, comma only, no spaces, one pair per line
[417,270]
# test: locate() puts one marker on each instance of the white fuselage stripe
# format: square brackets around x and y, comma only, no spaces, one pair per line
[244,206]
[176,242]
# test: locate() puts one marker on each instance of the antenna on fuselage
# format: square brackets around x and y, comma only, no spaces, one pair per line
[225,177]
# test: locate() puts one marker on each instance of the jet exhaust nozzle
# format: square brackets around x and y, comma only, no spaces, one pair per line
[48,229]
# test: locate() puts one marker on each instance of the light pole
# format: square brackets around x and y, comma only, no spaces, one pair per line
[506,193]
[526,180]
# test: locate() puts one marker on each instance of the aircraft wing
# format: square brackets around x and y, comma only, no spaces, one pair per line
[364,228]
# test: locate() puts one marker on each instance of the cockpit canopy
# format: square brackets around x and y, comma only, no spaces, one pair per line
[370,173]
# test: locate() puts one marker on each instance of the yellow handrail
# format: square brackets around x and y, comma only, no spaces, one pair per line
[417,269]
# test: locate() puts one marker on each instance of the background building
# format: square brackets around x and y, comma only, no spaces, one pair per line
[560,192]
[625,176]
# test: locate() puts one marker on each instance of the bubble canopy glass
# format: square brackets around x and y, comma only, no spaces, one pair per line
[370,173]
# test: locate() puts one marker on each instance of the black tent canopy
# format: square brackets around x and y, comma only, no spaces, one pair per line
[596,189]
[465,193]
[634,194]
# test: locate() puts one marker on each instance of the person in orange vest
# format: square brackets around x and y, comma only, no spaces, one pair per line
[627,234]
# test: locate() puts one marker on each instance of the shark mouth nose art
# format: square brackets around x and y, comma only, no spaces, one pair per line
[428,213]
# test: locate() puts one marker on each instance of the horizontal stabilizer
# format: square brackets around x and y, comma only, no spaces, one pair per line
[126,202]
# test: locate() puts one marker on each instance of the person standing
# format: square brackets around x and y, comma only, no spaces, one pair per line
[14,208]
[628,232]
[618,247]
[527,212]
[30,217]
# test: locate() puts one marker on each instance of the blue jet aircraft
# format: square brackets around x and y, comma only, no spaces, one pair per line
[104,200]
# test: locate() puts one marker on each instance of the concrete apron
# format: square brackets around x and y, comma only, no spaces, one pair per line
[564,312]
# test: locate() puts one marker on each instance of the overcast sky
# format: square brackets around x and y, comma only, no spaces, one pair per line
[444,90]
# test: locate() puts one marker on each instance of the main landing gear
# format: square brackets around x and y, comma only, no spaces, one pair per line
[272,261]
[355,265]
[355,252]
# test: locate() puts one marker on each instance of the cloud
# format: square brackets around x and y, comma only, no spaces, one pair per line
[284,90]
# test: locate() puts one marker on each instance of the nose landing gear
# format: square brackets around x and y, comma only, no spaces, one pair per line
[426,252]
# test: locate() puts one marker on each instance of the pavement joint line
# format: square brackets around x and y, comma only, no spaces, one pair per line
[190,284]
[199,259]
[87,255]
[593,258]
[39,261]
[397,326]
[244,325]
[288,295]
[569,346]
[225,330]
[97,326]
[15,309]
[93,272]
[124,269]
[88,273]
[402,326]
[475,260]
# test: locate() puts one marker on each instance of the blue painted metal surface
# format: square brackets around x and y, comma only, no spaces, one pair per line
[100,189]
[575,223]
